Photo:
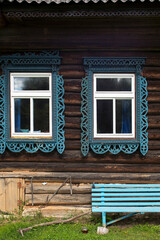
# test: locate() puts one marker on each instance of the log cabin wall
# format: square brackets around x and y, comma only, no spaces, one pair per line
[75,38]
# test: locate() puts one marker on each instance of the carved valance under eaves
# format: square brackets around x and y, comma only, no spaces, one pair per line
[76,1]
[81,13]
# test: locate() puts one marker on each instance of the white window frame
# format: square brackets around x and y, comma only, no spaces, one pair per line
[30,94]
[113,95]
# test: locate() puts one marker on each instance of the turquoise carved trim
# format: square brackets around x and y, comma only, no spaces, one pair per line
[60,116]
[84,119]
[123,62]
[31,147]
[46,61]
[114,146]
[29,58]
[2,115]
[144,119]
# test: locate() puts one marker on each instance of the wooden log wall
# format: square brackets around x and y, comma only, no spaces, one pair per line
[88,37]
[43,192]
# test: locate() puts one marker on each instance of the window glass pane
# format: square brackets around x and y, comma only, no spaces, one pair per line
[123,116]
[104,116]
[114,84]
[41,115]
[31,83]
[22,115]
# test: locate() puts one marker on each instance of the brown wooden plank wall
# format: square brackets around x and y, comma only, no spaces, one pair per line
[93,37]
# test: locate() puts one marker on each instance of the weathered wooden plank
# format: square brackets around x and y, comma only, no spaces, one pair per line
[151,72]
[12,196]
[72,73]
[72,122]
[88,177]
[21,191]
[154,135]
[72,98]
[72,111]
[76,156]
[80,167]
[72,85]
[59,199]
[154,144]
[153,97]
[11,193]
[61,35]
[73,134]
[154,89]
[89,34]
[154,108]
[2,194]
[73,145]
[153,86]
[154,122]
[50,188]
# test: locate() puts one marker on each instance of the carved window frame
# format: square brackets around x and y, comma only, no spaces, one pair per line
[114,65]
[46,61]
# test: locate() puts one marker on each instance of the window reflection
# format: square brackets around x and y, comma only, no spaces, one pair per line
[104,116]
[114,84]
[31,83]
[41,115]
[123,116]
[22,115]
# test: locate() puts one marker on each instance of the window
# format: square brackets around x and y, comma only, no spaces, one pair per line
[31,103]
[31,98]
[114,106]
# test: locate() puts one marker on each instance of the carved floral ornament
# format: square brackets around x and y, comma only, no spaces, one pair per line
[46,61]
[101,146]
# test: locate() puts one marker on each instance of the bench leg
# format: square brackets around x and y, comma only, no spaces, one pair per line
[103,219]
[121,218]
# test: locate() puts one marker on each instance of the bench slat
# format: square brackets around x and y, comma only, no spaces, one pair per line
[126,185]
[124,194]
[124,209]
[125,190]
[126,199]
[126,204]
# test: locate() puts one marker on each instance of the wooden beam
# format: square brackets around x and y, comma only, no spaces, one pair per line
[87,177]
[81,167]
[50,188]
[59,199]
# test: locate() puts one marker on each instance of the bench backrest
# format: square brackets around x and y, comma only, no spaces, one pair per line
[126,197]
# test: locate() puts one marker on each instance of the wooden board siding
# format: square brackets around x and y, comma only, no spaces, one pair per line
[50,188]
[11,194]
[93,37]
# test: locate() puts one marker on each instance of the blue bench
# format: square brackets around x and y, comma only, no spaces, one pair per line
[127,198]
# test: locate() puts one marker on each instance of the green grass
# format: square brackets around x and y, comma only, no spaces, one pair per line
[72,231]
